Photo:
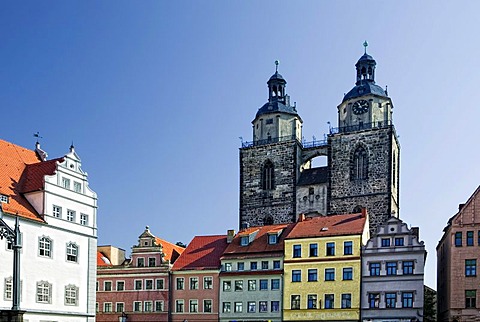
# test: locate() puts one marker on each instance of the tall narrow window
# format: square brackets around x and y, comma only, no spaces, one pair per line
[360,164]
[44,292]
[45,247]
[268,176]
[72,252]
[71,295]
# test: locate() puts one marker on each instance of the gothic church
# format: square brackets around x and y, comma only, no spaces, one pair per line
[278,181]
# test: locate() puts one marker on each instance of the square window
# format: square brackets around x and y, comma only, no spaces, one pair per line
[84,219]
[228,267]
[373,300]
[107,286]
[390,300]
[140,262]
[470,267]
[312,301]
[313,250]
[374,269]
[57,211]
[138,284]
[407,267]
[297,251]
[391,268]
[238,285]
[149,284]
[70,215]
[407,299]
[119,307]
[385,242]
[252,307]
[275,306]
[329,274]
[295,302]
[470,299]
[240,266]
[160,284]
[194,283]
[252,285]
[3,198]
[347,273]
[263,285]
[346,301]
[244,241]
[208,283]
[159,306]
[253,266]
[312,275]
[107,307]
[180,283]
[275,284]
[238,308]
[276,264]
[330,249]
[207,306]
[120,285]
[329,301]
[272,239]
[399,241]
[226,307]
[227,286]
[348,248]
[296,275]
[264,264]
[262,306]
[152,262]
[147,306]
[137,306]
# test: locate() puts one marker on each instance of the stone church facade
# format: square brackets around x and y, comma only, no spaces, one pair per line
[277,180]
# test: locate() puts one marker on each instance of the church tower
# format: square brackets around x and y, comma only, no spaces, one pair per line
[364,152]
[269,165]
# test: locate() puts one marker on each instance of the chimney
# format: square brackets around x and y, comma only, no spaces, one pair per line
[301,217]
[416,232]
[230,235]
[244,225]
[460,206]
[364,212]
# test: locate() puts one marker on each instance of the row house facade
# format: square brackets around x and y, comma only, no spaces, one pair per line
[251,281]
[322,268]
[195,279]
[138,288]
[56,210]
[393,263]
[458,254]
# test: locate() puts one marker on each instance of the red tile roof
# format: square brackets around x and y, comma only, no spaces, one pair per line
[203,252]
[33,176]
[260,243]
[171,251]
[338,225]
[13,161]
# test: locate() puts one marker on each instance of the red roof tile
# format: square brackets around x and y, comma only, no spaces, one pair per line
[33,176]
[338,225]
[203,252]
[260,243]
[13,161]
[171,251]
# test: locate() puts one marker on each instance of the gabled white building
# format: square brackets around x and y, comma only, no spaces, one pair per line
[57,212]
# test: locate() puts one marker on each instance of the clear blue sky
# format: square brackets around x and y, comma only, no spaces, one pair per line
[155,95]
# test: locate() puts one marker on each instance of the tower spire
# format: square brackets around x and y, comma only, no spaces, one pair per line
[277,62]
[365,44]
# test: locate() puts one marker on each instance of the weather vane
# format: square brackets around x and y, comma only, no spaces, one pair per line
[37,135]
[365,44]
[277,62]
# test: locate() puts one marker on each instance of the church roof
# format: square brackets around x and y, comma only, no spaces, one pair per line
[276,106]
[364,88]
[203,252]
[21,170]
[313,176]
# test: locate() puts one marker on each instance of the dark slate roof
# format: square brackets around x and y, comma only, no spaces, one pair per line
[274,107]
[313,176]
[365,57]
[364,88]
[276,76]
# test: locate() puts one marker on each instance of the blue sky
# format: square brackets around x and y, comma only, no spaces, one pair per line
[156,94]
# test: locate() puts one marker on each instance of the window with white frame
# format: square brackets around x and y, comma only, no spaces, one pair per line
[179,306]
[70,215]
[7,295]
[194,283]
[107,286]
[45,247]
[137,306]
[77,186]
[119,307]
[84,219]
[107,307]
[147,306]
[193,308]
[57,211]
[3,198]
[159,306]
[149,284]
[207,306]
[72,252]
[138,284]
[71,295]
[207,283]
[140,262]
[160,284]
[66,183]
[44,292]
[120,285]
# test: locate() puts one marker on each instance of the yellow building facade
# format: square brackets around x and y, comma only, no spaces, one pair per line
[322,269]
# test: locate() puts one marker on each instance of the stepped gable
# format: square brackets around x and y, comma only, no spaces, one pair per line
[202,253]
[337,225]
[14,159]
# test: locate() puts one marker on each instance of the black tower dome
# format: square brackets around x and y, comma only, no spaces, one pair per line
[365,83]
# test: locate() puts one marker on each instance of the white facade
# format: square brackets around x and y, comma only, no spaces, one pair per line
[58,256]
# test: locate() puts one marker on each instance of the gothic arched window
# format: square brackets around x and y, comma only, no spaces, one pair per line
[268,176]
[360,164]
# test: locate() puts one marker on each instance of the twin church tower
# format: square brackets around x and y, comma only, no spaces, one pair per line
[278,181]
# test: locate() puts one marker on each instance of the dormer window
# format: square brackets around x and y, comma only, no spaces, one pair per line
[244,241]
[3,198]
[272,239]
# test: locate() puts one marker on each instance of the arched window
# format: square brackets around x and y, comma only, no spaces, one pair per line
[71,295]
[268,176]
[360,164]
[45,247]
[72,252]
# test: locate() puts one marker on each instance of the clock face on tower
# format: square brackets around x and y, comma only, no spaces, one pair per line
[360,107]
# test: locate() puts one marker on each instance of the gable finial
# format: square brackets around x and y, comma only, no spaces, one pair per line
[277,62]
[365,44]
[37,135]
